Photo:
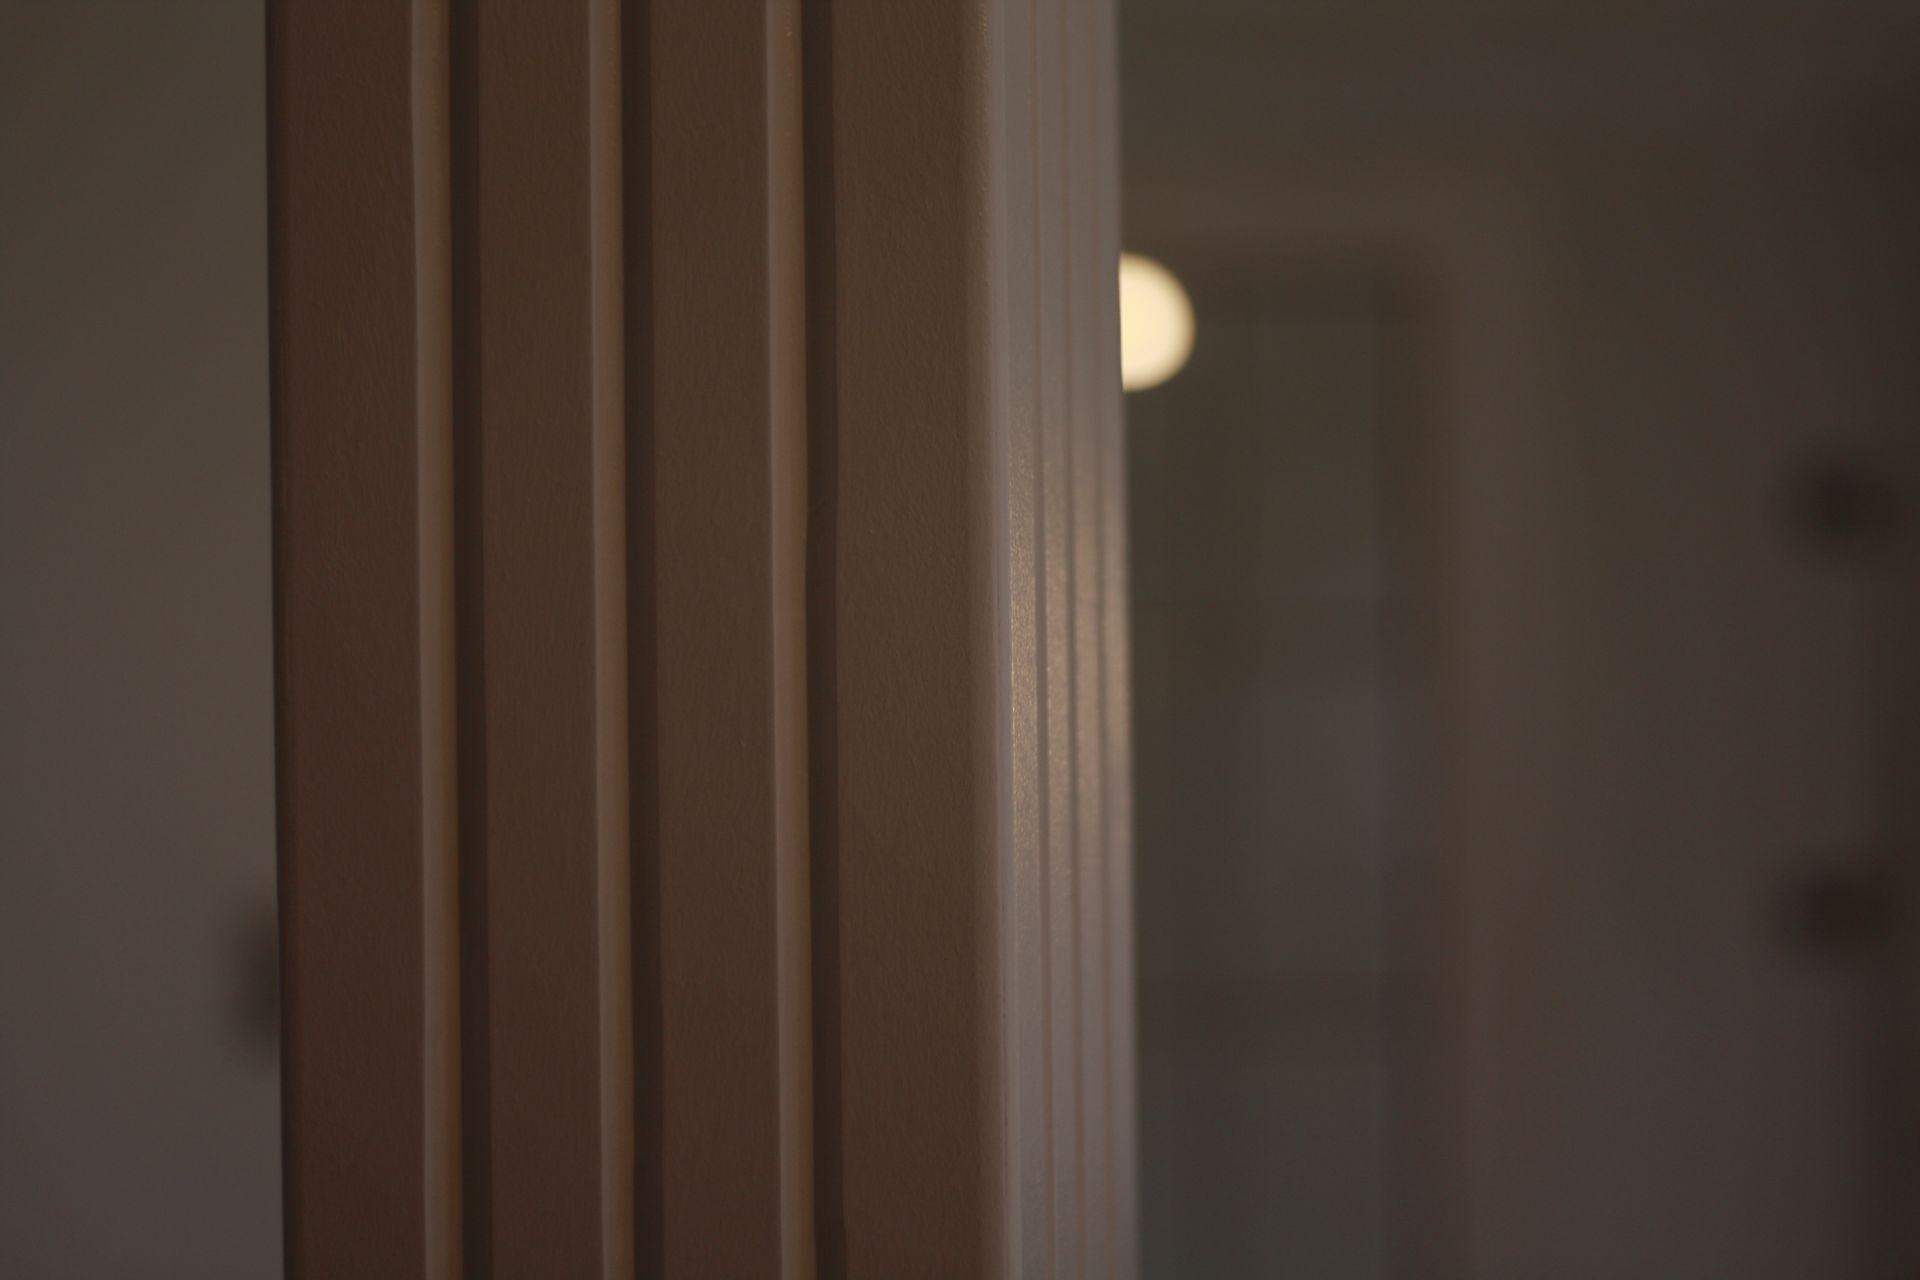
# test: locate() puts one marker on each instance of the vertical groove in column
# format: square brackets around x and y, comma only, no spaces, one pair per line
[543,364]
[921,684]
[1052,38]
[469,578]
[363,653]
[1024,912]
[612,730]
[1117,764]
[1086,285]
[728,278]
[786,232]
[643,657]
[440,923]
[822,649]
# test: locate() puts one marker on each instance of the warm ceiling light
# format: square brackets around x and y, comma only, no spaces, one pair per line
[1156,323]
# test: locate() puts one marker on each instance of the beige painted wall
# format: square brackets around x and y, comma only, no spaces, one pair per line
[139,1116]
[1672,262]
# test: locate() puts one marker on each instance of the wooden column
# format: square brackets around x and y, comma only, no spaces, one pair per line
[542,386]
[974,591]
[1120,1255]
[919,752]
[1021,301]
[1063,895]
[701,639]
[363,528]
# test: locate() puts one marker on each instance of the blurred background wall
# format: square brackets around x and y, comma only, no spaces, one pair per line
[1522,621]
[139,1117]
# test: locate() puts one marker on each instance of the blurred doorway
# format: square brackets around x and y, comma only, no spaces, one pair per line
[1518,571]
[1268,602]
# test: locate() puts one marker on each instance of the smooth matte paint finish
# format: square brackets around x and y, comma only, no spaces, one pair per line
[1057,542]
[973,334]
[1089,277]
[921,762]
[729,438]
[756,497]
[364,603]
[544,266]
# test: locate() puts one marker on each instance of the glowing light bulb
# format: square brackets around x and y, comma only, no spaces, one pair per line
[1156,323]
